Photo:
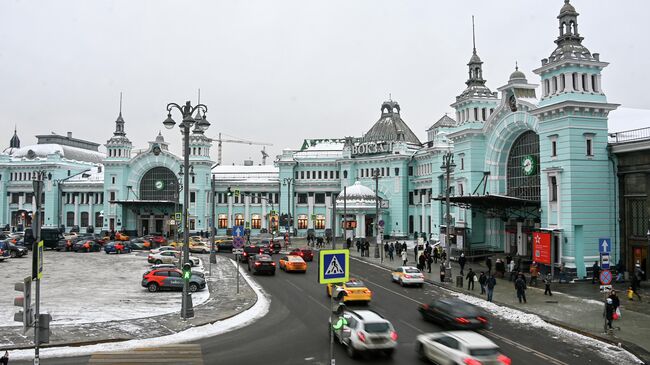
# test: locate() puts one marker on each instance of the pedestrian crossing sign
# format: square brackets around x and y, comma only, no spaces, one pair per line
[334,266]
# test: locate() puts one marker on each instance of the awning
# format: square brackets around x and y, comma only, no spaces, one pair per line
[497,205]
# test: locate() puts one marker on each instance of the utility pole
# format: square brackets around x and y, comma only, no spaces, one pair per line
[375,176]
[345,213]
[448,165]
[213,253]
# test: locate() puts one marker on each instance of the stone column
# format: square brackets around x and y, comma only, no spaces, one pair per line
[310,211]
[264,215]
[598,84]
[76,211]
[568,81]
[588,87]
[328,211]
[230,217]
[247,203]
[579,79]
[552,82]
[91,210]
[521,244]
[360,222]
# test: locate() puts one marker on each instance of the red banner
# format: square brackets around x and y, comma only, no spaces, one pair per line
[542,247]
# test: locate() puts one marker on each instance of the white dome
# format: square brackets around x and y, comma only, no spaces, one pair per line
[357,192]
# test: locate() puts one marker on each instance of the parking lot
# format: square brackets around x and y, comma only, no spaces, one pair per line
[89,287]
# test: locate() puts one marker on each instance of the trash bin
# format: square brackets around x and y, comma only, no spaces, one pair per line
[459,281]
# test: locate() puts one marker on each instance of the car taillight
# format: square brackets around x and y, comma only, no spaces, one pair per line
[362,336]
[273,263]
[258,263]
[462,320]
[505,360]
[393,335]
[407,276]
[470,361]
[424,306]
[482,319]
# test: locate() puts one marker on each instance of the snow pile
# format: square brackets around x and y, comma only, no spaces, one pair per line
[257,311]
[617,356]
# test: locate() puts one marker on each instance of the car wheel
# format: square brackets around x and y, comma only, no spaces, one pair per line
[193,287]
[351,351]
[106,252]
[13,254]
[158,262]
[401,282]
[419,349]
[420,285]
[389,352]
[205,251]
[152,287]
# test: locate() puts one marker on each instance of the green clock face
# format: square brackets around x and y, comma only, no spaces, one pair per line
[159,185]
[528,164]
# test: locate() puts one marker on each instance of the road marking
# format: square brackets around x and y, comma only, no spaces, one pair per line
[412,326]
[294,285]
[190,354]
[319,303]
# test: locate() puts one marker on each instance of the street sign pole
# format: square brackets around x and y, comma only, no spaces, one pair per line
[237,271]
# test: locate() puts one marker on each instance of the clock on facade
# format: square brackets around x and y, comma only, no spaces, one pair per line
[159,185]
[528,164]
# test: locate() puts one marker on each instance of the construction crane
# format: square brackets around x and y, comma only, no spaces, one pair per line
[242,141]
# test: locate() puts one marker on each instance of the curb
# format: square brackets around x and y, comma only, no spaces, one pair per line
[641,353]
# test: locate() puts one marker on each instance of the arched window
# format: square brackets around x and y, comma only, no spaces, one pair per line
[159,183]
[239,219]
[523,170]
[546,87]
[84,219]
[345,174]
[69,219]
[574,77]
[555,84]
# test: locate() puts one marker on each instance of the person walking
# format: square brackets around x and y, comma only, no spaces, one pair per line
[391,250]
[471,276]
[512,271]
[547,285]
[595,270]
[520,287]
[488,264]
[415,250]
[358,246]
[404,258]
[620,271]
[404,248]
[386,248]
[608,313]
[562,274]
[429,261]
[489,285]
[422,262]
[636,283]
[461,261]
[4,360]
[436,255]
[534,272]
[367,246]
[398,248]
[442,271]
[616,302]
[482,279]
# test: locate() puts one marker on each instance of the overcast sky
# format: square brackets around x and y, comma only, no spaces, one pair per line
[282,71]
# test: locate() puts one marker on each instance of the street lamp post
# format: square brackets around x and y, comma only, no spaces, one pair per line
[213,253]
[375,176]
[187,311]
[288,181]
[448,166]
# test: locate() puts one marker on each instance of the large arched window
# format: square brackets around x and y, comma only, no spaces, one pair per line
[159,183]
[523,167]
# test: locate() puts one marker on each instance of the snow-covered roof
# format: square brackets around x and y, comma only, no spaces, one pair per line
[326,146]
[357,196]
[625,119]
[67,152]
[252,174]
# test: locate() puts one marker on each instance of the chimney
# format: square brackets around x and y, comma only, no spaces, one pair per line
[69,135]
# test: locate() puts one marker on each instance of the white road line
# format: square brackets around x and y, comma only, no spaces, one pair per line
[294,285]
[412,326]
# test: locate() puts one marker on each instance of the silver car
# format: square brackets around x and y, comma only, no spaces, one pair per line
[459,347]
[366,331]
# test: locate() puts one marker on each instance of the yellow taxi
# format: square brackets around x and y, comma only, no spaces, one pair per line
[408,275]
[355,290]
[175,243]
[293,263]
[119,236]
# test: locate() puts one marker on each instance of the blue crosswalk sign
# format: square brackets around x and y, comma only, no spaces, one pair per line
[238,231]
[334,266]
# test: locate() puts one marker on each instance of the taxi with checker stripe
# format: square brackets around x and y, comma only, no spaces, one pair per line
[355,290]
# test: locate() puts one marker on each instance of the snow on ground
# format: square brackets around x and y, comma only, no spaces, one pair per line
[611,353]
[257,311]
[90,287]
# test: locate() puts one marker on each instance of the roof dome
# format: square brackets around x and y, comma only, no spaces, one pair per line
[390,126]
[517,76]
[475,59]
[357,195]
[567,8]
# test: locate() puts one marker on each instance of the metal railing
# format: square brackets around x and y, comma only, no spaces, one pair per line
[630,136]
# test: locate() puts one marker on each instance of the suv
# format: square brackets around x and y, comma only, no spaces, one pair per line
[367,331]
[254,249]
[168,278]
[273,245]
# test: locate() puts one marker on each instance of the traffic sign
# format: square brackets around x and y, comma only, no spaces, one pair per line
[238,242]
[334,266]
[605,277]
[381,223]
[178,216]
[604,261]
[238,251]
[39,273]
[605,288]
[605,245]
[238,231]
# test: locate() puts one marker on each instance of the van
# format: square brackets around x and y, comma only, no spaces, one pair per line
[51,237]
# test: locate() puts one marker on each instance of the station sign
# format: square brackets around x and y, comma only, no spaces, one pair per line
[369,148]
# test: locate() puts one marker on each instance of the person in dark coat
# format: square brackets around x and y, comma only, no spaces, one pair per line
[359,246]
[442,271]
[608,313]
[436,255]
[386,247]
[391,250]
[488,264]
[489,285]
[547,285]
[4,360]
[482,279]
[615,300]
[620,271]
[470,279]
[415,250]
[427,255]
[595,270]
[461,261]
[422,262]
[520,287]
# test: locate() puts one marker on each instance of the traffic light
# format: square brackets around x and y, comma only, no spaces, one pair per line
[187,271]
[25,301]
[229,191]
[237,193]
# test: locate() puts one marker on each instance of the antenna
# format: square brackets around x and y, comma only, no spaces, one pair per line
[516,66]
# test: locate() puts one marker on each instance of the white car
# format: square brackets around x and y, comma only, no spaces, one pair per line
[366,331]
[164,248]
[459,347]
[408,275]
[170,257]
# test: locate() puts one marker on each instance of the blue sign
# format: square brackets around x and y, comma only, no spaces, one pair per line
[334,266]
[604,245]
[604,261]
[238,231]
[238,242]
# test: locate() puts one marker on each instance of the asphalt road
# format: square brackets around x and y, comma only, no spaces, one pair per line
[295,331]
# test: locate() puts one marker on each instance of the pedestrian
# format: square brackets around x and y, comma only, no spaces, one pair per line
[608,313]
[386,247]
[512,271]
[443,255]
[442,271]
[391,249]
[422,262]
[4,360]
[508,259]
[534,271]
[620,271]
[635,287]
[482,279]
[429,261]
[415,250]
[404,248]
[358,246]
[367,244]
[404,258]
[547,285]
[595,270]
[562,274]
[398,248]
[490,284]
[638,272]
[520,287]
[436,255]
[500,268]
[615,300]
[488,264]
[461,261]
[471,276]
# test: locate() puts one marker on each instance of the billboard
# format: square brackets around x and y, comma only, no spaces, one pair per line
[542,247]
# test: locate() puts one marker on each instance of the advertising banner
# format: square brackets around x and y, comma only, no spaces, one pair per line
[542,247]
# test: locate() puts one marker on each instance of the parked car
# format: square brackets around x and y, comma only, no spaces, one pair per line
[141,244]
[16,251]
[261,264]
[368,332]
[454,313]
[164,248]
[157,240]
[86,246]
[199,247]
[254,249]
[172,266]
[170,257]
[459,347]
[223,245]
[4,252]
[117,247]
[64,244]
[168,278]
[306,253]
[274,246]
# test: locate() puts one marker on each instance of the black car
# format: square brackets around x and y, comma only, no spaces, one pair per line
[16,251]
[254,249]
[455,313]
[274,246]
[261,263]
[137,244]
[86,245]
[224,245]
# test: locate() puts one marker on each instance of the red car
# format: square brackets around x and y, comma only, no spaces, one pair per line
[170,278]
[306,253]
[158,240]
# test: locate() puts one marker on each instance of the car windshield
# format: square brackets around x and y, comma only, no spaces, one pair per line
[376,327]
[355,284]
[411,270]
[462,310]
[295,259]
[484,352]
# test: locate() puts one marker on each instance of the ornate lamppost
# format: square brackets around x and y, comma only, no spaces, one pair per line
[448,166]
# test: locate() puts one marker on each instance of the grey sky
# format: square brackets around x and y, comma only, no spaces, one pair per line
[281,71]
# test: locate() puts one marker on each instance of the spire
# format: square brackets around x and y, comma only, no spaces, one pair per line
[475,64]
[473,35]
[15,141]
[119,123]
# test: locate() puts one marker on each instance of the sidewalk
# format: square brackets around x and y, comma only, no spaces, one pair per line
[577,306]
[224,302]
